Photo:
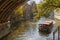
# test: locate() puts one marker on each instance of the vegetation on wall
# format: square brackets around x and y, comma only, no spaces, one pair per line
[47,6]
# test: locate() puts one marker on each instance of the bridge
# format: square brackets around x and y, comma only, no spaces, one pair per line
[6,8]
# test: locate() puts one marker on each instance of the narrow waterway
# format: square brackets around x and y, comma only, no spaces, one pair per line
[30,31]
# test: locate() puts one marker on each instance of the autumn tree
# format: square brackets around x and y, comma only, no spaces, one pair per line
[47,6]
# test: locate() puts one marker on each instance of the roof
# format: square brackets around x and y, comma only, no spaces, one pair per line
[47,22]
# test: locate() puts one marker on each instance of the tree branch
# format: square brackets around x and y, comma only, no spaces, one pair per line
[55,6]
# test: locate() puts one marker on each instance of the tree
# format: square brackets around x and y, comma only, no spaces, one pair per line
[47,6]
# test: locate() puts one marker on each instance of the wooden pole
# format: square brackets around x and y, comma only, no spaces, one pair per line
[58,32]
[53,35]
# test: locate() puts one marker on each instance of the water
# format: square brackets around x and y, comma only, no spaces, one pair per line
[30,31]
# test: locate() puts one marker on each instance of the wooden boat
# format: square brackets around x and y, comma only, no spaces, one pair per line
[46,27]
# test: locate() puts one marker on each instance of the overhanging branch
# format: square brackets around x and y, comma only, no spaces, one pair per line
[55,6]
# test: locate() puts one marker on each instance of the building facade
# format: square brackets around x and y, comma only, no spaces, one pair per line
[27,12]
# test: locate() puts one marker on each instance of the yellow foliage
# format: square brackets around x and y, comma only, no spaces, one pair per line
[39,13]
[20,10]
[39,6]
[37,16]
[33,9]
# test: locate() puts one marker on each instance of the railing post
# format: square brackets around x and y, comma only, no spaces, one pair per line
[58,32]
[53,35]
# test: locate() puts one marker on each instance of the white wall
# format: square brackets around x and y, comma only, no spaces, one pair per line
[57,14]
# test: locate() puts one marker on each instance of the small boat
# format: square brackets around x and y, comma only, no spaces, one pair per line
[46,27]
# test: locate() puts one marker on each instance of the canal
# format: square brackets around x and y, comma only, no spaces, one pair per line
[29,31]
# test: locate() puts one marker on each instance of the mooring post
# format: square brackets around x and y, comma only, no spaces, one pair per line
[58,32]
[53,35]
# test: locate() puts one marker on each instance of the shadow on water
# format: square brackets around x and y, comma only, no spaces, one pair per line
[43,34]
